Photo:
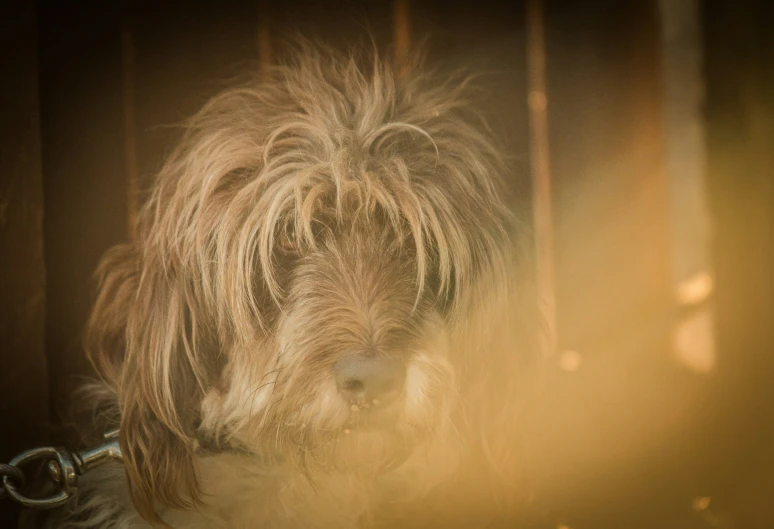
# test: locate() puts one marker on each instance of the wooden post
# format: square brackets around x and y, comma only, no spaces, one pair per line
[264,37]
[739,114]
[130,131]
[537,104]
[84,179]
[24,408]
[401,35]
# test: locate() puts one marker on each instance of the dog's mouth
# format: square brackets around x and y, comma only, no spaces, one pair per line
[372,416]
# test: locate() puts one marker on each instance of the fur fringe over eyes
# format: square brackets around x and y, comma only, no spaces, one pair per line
[328,140]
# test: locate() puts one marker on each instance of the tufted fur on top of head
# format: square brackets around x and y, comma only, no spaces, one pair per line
[326,139]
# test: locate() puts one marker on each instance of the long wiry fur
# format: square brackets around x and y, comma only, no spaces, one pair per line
[330,210]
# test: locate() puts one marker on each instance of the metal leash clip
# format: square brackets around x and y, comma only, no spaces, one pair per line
[64,467]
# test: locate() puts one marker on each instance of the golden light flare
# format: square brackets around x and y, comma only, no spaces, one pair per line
[570,360]
[695,289]
[701,503]
[537,100]
[693,343]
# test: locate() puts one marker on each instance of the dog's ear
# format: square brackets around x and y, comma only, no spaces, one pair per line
[141,338]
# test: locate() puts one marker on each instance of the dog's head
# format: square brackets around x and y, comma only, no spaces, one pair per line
[305,276]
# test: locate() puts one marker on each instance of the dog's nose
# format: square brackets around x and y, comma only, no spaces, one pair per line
[367,379]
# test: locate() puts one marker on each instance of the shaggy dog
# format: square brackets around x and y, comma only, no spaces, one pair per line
[324,318]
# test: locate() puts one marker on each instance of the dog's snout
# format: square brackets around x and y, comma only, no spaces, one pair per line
[367,379]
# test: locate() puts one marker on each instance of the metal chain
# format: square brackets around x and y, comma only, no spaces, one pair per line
[63,468]
[13,473]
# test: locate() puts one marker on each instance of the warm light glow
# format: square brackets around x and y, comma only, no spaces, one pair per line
[693,343]
[570,361]
[695,289]
[700,503]
[537,100]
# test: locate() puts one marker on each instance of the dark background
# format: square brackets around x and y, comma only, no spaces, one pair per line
[90,93]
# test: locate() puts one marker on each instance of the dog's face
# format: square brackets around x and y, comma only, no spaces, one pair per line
[304,273]
[349,368]
[355,369]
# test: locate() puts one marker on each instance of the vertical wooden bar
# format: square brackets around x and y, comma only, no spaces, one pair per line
[537,104]
[85,186]
[693,340]
[739,113]
[401,21]
[23,365]
[130,130]
[264,37]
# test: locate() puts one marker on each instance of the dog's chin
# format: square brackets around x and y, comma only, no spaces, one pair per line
[365,445]
[369,452]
